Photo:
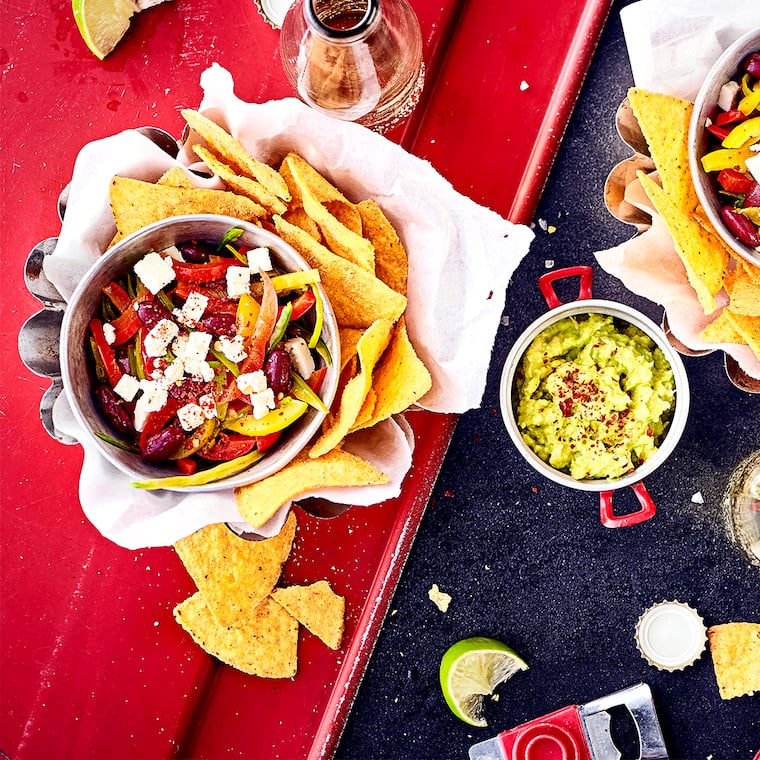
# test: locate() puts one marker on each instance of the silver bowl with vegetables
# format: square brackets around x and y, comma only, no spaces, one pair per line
[724,145]
[199,354]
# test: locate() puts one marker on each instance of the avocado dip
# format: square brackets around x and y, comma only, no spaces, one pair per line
[595,396]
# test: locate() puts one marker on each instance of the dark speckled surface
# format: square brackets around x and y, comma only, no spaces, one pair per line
[528,562]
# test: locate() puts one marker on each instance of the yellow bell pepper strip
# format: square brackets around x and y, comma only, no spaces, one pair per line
[246,315]
[749,102]
[752,213]
[303,391]
[745,132]
[200,437]
[295,280]
[201,477]
[318,320]
[284,415]
[726,158]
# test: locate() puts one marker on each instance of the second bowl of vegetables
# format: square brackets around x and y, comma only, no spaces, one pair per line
[200,353]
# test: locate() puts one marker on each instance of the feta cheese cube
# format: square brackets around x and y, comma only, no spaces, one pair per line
[174,372]
[153,398]
[238,281]
[232,348]
[252,382]
[109,333]
[192,310]
[199,368]
[262,403]
[207,403]
[300,356]
[198,344]
[259,258]
[159,338]
[753,166]
[127,387]
[190,416]
[154,271]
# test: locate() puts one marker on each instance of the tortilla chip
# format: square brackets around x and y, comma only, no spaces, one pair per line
[257,502]
[391,261]
[720,330]
[664,122]
[316,607]
[349,340]
[735,650]
[703,253]
[175,177]
[744,293]
[322,188]
[297,216]
[338,238]
[747,327]
[136,204]
[399,380]
[752,272]
[226,147]
[369,350]
[235,574]
[250,188]
[263,643]
[358,298]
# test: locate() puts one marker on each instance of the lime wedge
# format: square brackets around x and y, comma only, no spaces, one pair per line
[473,668]
[102,23]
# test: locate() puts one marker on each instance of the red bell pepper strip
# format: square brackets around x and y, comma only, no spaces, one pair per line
[729,117]
[215,269]
[125,326]
[187,466]
[303,303]
[155,421]
[118,296]
[105,352]
[720,132]
[734,182]
[264,442]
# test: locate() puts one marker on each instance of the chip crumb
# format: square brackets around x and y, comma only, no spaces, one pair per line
[549,263]
[439,598]
[551,229]
[697,498]
[524,85]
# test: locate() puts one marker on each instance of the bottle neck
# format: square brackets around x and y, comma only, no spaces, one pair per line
[342,20]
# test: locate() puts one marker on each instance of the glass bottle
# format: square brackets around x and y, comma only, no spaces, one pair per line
[742,504]
[358,60]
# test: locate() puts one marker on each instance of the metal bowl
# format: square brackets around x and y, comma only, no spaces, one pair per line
[77,373]
[726,68]
[508,394]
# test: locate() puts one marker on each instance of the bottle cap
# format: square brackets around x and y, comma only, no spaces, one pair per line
[671,635]
[274,11]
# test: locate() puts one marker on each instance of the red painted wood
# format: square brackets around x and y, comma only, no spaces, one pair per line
[92,661]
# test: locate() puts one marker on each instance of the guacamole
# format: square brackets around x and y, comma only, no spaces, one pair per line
[594,396]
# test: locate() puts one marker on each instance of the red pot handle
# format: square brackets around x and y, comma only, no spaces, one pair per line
[546,283]
[610,520]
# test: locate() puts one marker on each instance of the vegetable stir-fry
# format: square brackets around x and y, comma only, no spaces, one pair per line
[736,158]
[205,355]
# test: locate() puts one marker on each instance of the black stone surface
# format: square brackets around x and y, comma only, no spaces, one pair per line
[528,562]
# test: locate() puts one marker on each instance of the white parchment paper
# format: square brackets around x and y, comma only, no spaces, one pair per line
[461,259]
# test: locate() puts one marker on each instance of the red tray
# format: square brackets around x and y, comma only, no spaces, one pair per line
[93,664]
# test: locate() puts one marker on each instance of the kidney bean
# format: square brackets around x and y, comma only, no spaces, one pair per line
[163,444]
[194,252]
[740,226]
[277,370]
[752,65]
[218,323]
[151,313]
[113,409]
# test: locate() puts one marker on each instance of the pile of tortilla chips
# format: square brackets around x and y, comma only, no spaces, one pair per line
[710,263]
[238,615]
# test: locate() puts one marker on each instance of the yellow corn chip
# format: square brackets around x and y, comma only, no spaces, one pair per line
[747,327]
[136,204]
[297,216]
[751,271]
[233,153]
[369,350]
[735,650]
[664,122]
[703,253]
[235,574]
[358,298]
[257,502]
[175,177]
[339,239]
[349,340]
[264,642]
[399,379]
[720,330]
[391,262]
[250,188]
[323,190]
[744,293]
[316,607]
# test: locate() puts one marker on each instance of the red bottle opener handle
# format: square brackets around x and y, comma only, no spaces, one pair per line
[546,283]
[610,520]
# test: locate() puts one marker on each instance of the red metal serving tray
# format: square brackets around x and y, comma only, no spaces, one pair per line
[93,664]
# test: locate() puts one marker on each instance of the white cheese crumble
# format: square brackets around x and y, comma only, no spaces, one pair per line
[154,397]
[259,258]
[197,346]
[109,333]
[154,271]
[252,382]
[262,403]
[199,368]
[208,405]
[159,338]
[728,95]
[439,598]
[753,166]
[232,348]
[192,310]
[238,281]
[127,387]
[300,356]
[190,416]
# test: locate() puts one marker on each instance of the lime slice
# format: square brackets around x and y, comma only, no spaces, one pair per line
[473,668]
[102,23]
